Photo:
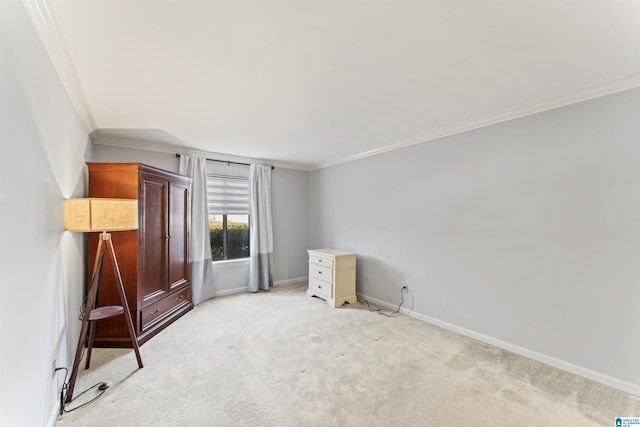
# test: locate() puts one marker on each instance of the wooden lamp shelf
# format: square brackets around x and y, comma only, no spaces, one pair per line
[105,312]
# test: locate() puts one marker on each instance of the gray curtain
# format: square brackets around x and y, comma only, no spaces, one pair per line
[200,244]
[260,228]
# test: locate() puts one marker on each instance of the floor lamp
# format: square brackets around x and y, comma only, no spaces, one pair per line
[101,215]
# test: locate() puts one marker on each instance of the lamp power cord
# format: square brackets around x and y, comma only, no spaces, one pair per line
[379,311]
[102,386]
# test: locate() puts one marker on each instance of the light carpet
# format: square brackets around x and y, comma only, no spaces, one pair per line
[280,358]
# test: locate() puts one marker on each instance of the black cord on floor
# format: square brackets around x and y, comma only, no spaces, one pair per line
[363,302]
[85,403]
[63,392]
[63,389]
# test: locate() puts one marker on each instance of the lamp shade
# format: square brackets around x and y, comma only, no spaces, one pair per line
[95,214]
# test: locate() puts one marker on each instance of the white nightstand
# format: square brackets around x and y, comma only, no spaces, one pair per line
[332,276]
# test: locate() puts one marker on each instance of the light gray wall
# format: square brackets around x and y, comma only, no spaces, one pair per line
[527,231]
[289,204]
[42,148]
[109,154]
[290,223]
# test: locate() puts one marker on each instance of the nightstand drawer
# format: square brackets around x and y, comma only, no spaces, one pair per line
[321,273]
[320,287]
[327,262]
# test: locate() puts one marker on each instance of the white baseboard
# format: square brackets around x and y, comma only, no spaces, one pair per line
[231,291]
[54,415]
[244,288]
[534,355]
[291,281]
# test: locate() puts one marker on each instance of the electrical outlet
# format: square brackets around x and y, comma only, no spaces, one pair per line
[405,289]
[54,365]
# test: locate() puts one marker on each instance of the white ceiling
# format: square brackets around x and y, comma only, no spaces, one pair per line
[316,82]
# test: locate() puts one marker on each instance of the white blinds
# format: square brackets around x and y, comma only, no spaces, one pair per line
[228,195]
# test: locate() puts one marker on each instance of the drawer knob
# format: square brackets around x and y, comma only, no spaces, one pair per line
[319,272]
[157,310]
[180,297]
[320,261]
[319,287]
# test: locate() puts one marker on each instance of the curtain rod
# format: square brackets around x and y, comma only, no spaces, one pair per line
[227,162]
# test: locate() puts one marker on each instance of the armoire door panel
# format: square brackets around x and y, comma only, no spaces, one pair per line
[153,251]
[179,269]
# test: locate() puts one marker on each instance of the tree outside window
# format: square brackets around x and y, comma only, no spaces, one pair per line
[229,236]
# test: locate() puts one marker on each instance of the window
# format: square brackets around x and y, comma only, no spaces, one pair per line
[228,200]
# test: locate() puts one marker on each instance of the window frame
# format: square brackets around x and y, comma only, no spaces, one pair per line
[237,203]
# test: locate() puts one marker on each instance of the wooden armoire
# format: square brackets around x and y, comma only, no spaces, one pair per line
[153,260]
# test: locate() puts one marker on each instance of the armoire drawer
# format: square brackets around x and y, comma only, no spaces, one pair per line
[153,314]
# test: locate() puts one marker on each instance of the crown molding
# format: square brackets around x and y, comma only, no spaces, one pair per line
[609,88]
[48,29]
[176,149]
[614,86]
